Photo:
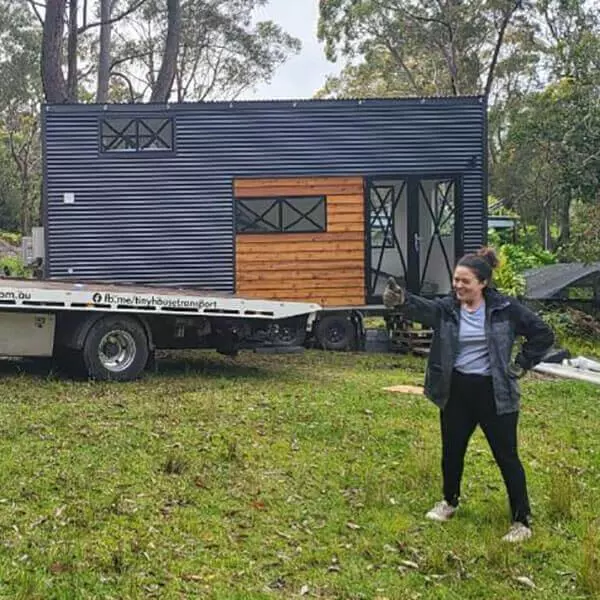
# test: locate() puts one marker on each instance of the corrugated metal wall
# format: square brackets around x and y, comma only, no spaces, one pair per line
[168,218]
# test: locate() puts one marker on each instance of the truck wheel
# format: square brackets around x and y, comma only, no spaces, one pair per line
[335,332]
[116,349]
[292,332]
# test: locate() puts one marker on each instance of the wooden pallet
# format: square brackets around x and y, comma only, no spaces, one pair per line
[406,337]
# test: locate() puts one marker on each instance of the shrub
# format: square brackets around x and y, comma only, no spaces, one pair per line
[507,278]
[14,239]
[12,266]
[514,260]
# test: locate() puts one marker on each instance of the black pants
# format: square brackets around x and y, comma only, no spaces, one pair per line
[472,403]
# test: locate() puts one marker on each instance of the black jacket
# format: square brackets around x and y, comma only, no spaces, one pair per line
[506,319]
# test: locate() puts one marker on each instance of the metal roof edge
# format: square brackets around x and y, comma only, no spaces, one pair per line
[279,103]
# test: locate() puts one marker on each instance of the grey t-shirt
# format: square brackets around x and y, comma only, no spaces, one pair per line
[473,357]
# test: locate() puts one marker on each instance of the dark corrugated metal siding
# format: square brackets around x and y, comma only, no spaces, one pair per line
[168,218]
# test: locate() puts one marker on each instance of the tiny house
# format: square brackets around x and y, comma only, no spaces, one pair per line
[315,200]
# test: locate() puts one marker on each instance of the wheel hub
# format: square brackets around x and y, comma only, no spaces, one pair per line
[334,334]
[117,351]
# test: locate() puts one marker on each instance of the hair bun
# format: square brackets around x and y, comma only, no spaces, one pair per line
[489,255]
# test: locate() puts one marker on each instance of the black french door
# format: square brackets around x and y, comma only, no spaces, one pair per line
[414,233]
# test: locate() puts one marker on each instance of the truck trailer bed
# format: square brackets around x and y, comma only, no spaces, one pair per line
[54,295]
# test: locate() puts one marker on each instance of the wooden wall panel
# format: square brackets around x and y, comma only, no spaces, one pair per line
[328,268]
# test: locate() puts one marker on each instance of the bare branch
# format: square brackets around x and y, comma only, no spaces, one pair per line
[128,82]
[13,150]
[120,61]
[131,9]
[554,32]
[394,52]
[34,6]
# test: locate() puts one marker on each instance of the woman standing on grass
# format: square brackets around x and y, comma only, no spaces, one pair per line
[472,379]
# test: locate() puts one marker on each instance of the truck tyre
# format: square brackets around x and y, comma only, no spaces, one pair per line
[292,332]
[115,349]
[335,332]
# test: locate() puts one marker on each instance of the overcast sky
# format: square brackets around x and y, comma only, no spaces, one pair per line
[305,73]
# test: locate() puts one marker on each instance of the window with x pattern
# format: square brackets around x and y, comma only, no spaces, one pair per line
[300,214]
[124,134]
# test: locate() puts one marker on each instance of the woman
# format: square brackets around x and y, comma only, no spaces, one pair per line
[472,379]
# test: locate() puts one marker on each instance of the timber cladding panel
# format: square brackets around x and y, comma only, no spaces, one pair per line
[325,267]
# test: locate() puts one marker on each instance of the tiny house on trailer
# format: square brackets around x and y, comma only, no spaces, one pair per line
[316,201]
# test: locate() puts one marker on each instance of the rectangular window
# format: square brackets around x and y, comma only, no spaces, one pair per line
[125,134]
[300,214]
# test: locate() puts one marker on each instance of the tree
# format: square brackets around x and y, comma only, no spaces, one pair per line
[166,74]
[58,90]
[203,48]
[584,244]
[9,188]
[102,87]
[222,52]
[551,157]
[24,143]
[55,86]
[418,47]
[544,150]
[20,99]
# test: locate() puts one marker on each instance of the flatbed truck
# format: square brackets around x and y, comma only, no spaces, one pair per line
[114,329]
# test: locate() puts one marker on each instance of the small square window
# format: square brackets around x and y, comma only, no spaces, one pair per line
[302,214]
[120,134]
[258,216]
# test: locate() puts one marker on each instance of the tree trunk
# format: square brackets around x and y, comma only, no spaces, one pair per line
[104,55]
[564,223]
[168,67]
[495,55]
[53,79]
[72,53]
[25,205]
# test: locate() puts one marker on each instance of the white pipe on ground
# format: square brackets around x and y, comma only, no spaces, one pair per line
[568,372]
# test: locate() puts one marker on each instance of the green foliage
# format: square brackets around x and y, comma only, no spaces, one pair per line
[549,157]
[507,278]
[514,260]
[10,237]
[522,258]
[418,48]
[571,322]
[584,243]
[576,331]
[12,266]
[9,187]
[20,98]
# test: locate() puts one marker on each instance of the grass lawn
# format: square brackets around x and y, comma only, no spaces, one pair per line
[282,477]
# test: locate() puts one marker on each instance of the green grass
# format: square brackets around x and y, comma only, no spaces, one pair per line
[281,477]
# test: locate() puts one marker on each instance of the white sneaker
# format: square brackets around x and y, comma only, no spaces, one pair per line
[518,532]
[442,512]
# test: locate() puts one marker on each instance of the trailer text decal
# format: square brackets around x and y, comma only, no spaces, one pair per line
[10,295]
[159,301]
